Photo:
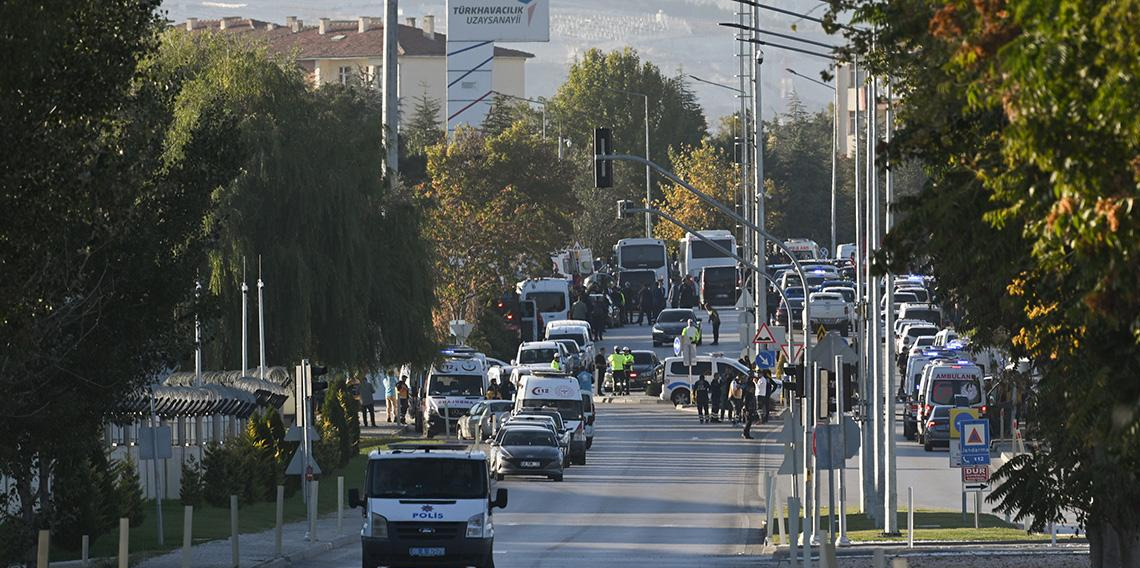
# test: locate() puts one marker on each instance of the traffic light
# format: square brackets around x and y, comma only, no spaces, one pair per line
[320,384]
[603,169]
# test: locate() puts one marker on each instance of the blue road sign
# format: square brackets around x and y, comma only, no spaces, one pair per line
[765,359]
[975,441]
[677,346]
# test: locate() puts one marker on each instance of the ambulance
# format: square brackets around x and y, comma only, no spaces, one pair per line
[560,392]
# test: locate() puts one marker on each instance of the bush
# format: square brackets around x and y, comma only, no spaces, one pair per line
[84,498]
[128,492]
[191,492]
[340,426]
[223,473]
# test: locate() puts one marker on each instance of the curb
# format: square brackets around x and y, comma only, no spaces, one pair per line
[631,400]
[309,553]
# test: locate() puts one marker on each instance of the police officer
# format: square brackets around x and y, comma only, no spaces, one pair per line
[599,369]
[749,407]
[701,390]
[691,332]
[617,366]
[628,354]
[556,364]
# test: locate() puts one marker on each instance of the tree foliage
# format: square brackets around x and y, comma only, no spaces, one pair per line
[499,206]
[1024,111]
[707,168]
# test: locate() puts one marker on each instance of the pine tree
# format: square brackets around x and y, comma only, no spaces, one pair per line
[423,130]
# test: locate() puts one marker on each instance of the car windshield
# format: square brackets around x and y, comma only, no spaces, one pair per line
[427,478]
[673,316]
[847,293]
[942,391]
[578,339]
[905,298]
[520,437]
[571,346]
[642,256]
[931,316]
[794,292]
[548,301]
[455,385]
[701,249]
[567,409]
[918,330]
[537,355]
[941,412]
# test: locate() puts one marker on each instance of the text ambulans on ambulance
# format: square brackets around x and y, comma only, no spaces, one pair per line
[453,387]
[944,381]
[427,504]
[556,392]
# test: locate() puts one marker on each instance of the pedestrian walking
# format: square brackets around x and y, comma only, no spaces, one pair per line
[749,407]
[764,388]
[367,402]
[701,388]
[402,400]
[599,369]
[645,300]
[736,398]
[714,319]
[716,396]
[391,403]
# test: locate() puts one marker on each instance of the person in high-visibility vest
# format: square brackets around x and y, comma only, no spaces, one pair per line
[617,365]
[556,364]
[692,332]
[628,354]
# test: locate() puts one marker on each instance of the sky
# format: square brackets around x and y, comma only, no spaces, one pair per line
[679,36]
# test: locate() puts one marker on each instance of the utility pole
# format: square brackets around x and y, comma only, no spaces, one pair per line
[244,321]
[197,337]
[260,321]
[648,182]
[760,247]
[890,481]
[391,102]
[876,293]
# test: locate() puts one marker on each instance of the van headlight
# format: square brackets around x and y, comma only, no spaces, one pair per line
[480,526]
[379,526]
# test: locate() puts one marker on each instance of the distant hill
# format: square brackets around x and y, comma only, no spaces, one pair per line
[674,34]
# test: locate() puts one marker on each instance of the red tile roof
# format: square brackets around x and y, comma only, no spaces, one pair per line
[342,39]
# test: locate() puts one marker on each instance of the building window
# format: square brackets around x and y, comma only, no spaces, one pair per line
[344,74]
[851,76]
[850,121]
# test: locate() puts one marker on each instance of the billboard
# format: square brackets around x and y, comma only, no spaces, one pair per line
[498,20]
[469,96]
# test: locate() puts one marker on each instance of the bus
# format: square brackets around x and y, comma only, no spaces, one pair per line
[697,254]
[642,254]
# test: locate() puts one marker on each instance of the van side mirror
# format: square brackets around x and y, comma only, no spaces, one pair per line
[500,501]
[514,362]
[354,498]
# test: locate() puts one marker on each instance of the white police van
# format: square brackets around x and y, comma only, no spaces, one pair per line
[427,505]
[674,374]
[453,386]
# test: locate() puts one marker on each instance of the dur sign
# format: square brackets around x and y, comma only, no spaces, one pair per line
[498,20]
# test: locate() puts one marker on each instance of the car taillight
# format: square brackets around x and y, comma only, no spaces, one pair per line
[930,424]
[633,374]
[983,410]
[926,411]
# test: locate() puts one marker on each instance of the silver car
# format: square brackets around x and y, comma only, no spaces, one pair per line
[484,419]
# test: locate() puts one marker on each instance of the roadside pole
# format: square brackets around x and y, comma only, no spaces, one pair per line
[890,479]
[840,397]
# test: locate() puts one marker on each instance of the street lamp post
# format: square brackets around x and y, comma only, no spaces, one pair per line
[834,146]
[648,190]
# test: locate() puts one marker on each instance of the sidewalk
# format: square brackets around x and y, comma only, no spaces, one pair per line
[257,549]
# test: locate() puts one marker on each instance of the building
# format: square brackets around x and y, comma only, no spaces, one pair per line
[339,51]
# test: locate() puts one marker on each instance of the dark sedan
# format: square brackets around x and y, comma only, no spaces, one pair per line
[670,323]
[937,431]
[526,450]
[645,364]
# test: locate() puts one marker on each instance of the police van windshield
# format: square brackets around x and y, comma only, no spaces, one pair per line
[548,301]
[532,356]
[568,409]
[427,478]
[456,385]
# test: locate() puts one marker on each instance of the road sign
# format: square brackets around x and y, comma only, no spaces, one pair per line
[975,442]
[820,332]
[677,346]
[827,437]
[296,466]
[765,359]
[975,487]
[146,444]
[828,348]
[957,415]
[955,455]
[764,335]
[976,474]
[792,353]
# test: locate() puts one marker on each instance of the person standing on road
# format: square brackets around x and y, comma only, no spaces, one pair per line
[764,390]
[749,407]
[402,392]
[645,301]
[617,367]
[367,402]
[599,369]
[580,311]
[736,398]
[390,402]
[628,354]
[716,396]
[701,389]
[714,320]
[658,302]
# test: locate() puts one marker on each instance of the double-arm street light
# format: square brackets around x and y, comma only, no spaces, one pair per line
[648,190]
[834,145]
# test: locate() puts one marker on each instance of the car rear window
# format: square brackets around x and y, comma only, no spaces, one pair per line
[642,358]
[942,391]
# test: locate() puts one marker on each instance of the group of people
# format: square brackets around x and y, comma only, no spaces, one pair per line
[619,363]
[742,400]
[505,391]
[396,393]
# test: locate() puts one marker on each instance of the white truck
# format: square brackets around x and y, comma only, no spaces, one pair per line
[830,310]
[453,386]
[562,393]
[427,505]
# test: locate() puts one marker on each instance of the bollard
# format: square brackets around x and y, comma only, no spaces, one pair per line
[85,548]
[827,555]
[766,491]
[339,502]
[910,517]
[878,559]
[899,563]
[1052,534]
[977,506]
[42,548]
[279,520]
[187,534]
[124,542]
[235,556]
[313,510]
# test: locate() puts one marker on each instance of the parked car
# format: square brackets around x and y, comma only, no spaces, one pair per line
[645,363]
[484,419]
[670,322]
[937,429]
[526,450]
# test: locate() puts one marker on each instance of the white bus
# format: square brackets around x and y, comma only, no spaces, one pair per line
[642,254]
[696,254]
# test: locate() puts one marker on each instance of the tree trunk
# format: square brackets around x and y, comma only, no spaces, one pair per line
[27,515]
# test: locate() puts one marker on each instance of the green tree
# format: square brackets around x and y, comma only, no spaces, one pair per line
[421,131]
[708,169]
[500,205]
[1023,112]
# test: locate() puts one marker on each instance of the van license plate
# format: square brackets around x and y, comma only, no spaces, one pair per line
[426,552]
[530,464]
